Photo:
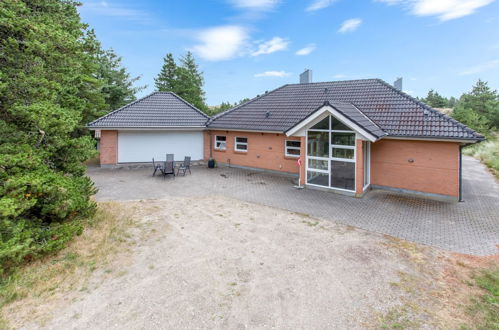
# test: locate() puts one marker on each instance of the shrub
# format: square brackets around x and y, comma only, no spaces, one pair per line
[487,152]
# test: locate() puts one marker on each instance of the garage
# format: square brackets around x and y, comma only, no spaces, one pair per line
[153,126]
[141,146]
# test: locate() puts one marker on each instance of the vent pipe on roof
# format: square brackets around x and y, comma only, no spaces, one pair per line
[306,77]
[398,83]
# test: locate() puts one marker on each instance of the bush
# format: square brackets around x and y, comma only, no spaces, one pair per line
[487,152]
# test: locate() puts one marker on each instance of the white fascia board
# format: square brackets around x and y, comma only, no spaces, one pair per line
[171,128]
[327,108]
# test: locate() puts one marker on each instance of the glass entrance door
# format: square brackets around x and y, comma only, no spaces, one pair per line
[342,161]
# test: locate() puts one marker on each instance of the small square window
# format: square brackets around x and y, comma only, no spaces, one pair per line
[292,148]
[220,142]
[241,144]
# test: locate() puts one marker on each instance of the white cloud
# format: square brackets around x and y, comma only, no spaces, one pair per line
[273,45]
[273,74]
[306,50]
[105,8]
[350,25]
[444,9]
[221,43]
[319,4]
[490,65]
[339,76]
[255,4]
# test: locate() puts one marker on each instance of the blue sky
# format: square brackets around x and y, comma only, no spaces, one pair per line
[245,47]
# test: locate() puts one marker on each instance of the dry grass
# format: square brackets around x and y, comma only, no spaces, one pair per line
[487,152]
[440,289]
[70,269]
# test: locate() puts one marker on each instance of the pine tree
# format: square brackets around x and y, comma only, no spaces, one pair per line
[118,83]
[483,101]
[167,77]
[433,99]
[48,90]
[193,88]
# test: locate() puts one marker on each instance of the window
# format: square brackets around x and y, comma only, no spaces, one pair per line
[318,144]
[293,148]
[345,139]
[331,155]
[241,144]
[220,142]
[338,125]
[323,124]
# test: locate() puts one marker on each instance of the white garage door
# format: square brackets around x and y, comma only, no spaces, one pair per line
[143,146]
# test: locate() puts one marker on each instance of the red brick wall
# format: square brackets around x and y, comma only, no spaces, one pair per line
[434,167]
[109,147]
[265,150]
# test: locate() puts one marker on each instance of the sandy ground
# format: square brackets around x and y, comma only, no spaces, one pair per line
[215,262]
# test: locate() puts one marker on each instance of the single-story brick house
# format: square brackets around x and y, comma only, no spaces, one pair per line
[350,136]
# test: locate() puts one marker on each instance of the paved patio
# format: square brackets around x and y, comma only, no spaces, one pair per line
[470,227]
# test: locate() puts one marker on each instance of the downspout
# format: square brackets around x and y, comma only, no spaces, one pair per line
[211,144]
[461,173]
[461,146]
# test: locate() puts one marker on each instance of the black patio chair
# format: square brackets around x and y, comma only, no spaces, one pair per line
[156,167]
[169,168]
[185,166]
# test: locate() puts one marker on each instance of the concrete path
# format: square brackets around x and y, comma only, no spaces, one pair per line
[470,227]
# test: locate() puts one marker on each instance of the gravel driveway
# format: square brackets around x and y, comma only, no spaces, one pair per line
[214,262]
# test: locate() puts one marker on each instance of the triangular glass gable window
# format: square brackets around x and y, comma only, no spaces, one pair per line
[338,125]
[323,124]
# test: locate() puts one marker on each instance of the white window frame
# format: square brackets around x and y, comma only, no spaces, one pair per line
[240,143]
[286,148]
[367,164]
[224,143]
[330,158]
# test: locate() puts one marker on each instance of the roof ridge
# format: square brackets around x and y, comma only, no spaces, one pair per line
[223,113]
[427,107]
[332,81]
[122,108]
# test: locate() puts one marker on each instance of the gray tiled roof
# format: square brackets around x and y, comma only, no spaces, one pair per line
[354,114]
[392,111]
[159,109]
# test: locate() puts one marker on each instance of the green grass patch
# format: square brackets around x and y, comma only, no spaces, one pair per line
[484,310]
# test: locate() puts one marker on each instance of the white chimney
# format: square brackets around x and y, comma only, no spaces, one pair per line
[398,83]
[306,77]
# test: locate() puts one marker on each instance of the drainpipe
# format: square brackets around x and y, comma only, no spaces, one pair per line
[211,144]
[461,173]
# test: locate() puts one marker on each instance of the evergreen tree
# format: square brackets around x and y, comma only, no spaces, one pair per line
[435,100]
[118,83]
[185,80]
[479,108]
[452,102]
[167,77]
[48,90]
[471,118]
[193,81]
[484,101]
